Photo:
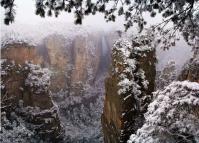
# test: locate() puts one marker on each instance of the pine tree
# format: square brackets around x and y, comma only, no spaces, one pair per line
[184,14]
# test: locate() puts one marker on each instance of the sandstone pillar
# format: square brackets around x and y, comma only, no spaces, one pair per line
[121,117]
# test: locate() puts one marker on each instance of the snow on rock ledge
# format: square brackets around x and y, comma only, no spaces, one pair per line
[38,78]
[25,92]
[128,89]
[172,117]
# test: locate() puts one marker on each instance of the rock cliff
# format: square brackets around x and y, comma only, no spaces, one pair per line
[191,69]
[78,65]
[25,92]
[74,62]
[21,52]
[126,92]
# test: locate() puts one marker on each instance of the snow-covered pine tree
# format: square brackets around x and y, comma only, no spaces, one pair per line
[180,15]
[172,117]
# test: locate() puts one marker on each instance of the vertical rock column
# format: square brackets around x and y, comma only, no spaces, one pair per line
[191,69]
[127,92]
[25,93]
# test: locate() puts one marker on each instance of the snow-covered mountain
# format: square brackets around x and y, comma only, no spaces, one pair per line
[79,59]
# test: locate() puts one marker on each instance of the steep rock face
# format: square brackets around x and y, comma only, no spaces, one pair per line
[16,56]
[111,118]
[124,106]
[191,69]
[21,52]
[25,92]
[55,51]
[78,65]
[56,57]
[80,58]
[74,61]
[86,59]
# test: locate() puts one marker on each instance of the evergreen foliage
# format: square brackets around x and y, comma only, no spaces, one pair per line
[183,14]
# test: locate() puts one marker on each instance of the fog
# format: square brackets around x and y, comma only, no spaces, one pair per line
[25,15]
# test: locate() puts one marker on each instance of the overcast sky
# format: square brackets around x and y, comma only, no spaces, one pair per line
[25,14]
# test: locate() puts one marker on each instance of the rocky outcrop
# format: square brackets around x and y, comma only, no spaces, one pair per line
[78,66]
[191,69]
[57,58]
[21,52]
[86,59]
[75,62]
[25,92]
[126,97]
